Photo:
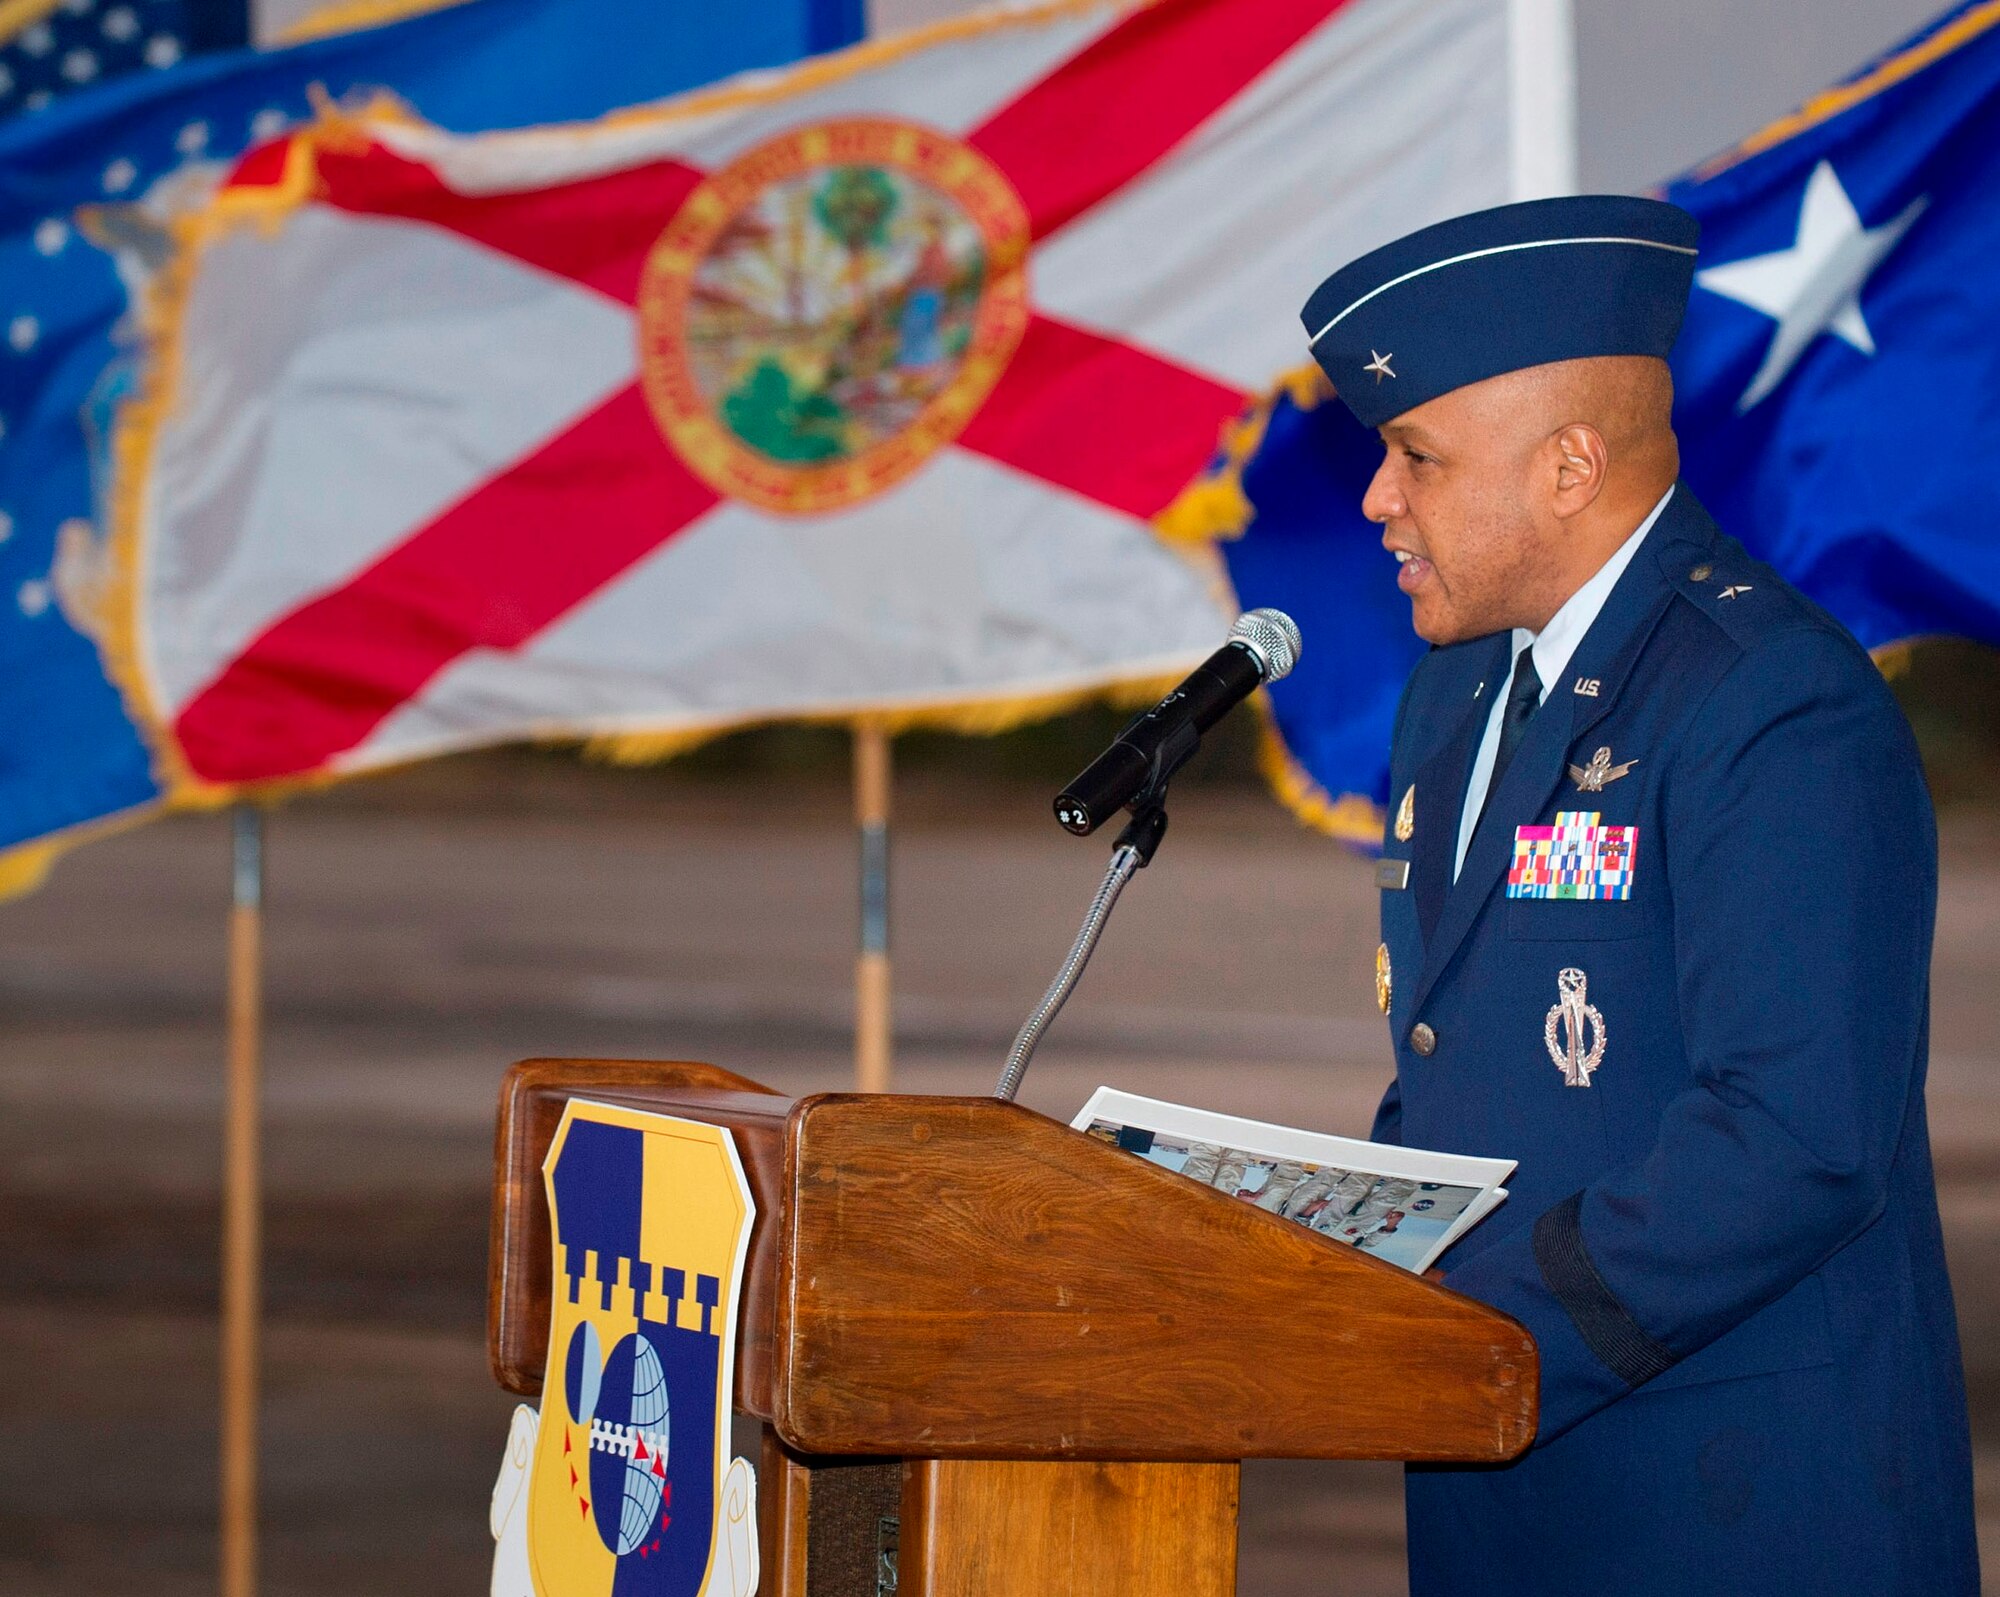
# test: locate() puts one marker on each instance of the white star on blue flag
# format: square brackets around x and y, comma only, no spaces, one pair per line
[1815,286]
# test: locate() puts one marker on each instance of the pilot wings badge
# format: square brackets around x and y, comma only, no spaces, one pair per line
[1591,778]
[631,1492]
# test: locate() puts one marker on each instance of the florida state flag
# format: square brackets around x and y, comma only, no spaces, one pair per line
[854,389]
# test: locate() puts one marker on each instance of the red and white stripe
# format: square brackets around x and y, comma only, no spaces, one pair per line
[408,496]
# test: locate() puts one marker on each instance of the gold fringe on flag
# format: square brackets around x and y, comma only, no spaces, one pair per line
[972,718]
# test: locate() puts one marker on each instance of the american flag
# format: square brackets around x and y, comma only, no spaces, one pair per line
[64,45]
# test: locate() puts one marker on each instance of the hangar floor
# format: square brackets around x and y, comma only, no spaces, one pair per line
[421,937]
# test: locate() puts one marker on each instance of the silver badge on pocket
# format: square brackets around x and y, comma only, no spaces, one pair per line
[1570,1016]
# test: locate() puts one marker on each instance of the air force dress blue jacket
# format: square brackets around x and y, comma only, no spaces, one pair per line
[1684,982]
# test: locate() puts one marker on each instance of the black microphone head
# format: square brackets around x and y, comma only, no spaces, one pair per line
[1272,636]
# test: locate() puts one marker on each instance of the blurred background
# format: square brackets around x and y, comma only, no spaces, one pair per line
[428,926]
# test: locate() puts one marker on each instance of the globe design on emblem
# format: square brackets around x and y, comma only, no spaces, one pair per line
[628,1445]
[583,1373]
[830,309]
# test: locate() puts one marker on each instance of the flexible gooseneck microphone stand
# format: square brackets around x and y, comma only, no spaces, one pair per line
[1147,754]
[1132,852]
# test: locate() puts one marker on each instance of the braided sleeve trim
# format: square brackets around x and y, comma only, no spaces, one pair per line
[1620,1343]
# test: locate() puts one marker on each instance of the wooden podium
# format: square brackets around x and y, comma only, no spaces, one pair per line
[1030,1362]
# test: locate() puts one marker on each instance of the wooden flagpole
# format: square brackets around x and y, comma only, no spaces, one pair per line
[873,1029]
[242,1218]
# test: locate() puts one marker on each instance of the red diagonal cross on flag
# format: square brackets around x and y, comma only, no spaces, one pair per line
[359,515]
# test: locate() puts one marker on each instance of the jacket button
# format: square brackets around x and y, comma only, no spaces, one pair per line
[1701,573]
[1423,1039]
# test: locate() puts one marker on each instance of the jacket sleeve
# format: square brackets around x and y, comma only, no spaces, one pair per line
[1801,856]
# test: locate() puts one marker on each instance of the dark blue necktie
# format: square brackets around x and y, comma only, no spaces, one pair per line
[1524,697]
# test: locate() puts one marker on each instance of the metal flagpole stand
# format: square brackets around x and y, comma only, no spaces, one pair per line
[242,1296]
[873,1029]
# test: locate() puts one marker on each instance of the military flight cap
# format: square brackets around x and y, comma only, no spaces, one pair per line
[1499,290]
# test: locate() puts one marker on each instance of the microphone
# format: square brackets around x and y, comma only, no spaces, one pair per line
[1262,647]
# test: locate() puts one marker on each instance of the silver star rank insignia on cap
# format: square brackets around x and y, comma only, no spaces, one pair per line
[1380,364]
[1592,777]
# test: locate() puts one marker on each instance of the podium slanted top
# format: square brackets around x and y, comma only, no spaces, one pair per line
[964,1278]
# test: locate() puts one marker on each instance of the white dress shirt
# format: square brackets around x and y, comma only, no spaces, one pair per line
[1553,646]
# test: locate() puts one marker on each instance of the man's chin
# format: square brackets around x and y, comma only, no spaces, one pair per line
[1439,624]
[1435,628]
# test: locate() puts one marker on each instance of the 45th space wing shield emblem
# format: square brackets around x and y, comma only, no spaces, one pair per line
[650,1222]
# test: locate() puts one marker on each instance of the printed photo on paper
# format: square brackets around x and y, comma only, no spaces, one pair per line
[1400,1204]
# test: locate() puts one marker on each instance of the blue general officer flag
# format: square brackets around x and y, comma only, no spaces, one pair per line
[1303,463]
[1839,370]
[1838,405]
[70,757]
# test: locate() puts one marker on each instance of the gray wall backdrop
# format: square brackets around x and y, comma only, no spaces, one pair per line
[1663,83]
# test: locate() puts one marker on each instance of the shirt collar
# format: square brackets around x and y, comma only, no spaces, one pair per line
[1557,641]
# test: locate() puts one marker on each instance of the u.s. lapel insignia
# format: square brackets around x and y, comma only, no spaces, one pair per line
[1570,1017]
[1384,981]
[1406,815]
[1592,778]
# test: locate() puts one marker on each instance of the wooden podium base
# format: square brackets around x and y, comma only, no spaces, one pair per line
[973,1323]
[995,1528]
[987,1528]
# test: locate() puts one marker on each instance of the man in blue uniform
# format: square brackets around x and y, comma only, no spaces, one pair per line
[1657,905]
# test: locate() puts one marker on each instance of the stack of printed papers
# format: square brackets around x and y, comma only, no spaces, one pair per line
[1406,1205]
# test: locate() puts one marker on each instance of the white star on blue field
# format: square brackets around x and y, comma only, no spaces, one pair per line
[60,286]
[1814,286]
[76,43]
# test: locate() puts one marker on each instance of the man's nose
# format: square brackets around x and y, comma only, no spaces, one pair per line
[1384,500]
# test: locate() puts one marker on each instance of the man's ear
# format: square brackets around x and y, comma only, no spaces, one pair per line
[1582,463]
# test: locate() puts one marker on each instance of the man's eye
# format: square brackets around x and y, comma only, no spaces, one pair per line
[1417,459]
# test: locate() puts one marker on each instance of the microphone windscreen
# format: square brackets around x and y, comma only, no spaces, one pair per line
[1272,636]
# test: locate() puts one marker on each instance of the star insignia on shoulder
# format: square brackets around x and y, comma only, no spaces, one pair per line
[1592,778]
[1380,364]
[1733,590]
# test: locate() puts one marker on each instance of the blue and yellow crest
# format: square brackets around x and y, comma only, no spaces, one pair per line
[649,1220]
